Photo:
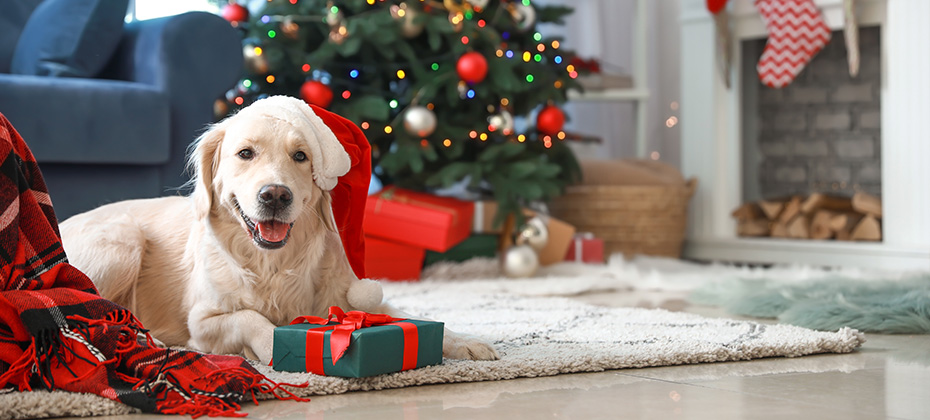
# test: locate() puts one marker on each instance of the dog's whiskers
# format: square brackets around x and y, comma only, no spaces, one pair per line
[318,215]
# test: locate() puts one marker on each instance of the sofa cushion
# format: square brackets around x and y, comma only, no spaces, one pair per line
[88,121]
[12,20]
[69,38]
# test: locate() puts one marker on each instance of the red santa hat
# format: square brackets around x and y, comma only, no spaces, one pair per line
[351,191]
[341,159]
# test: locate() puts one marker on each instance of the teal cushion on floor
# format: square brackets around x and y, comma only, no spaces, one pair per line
[69,38]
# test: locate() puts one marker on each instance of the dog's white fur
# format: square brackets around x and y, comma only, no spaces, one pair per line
[189,269]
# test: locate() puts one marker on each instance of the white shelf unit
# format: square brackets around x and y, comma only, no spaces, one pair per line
[639,92]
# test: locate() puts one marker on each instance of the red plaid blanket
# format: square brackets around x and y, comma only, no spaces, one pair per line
[56,332]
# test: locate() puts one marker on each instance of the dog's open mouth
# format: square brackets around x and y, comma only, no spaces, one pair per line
[268,234]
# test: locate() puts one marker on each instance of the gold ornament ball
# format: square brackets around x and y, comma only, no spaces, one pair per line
[455,6]
[519,261]
[290,28]
[409,27]
[220,108]
[534,233]
[457,19]
[338,34]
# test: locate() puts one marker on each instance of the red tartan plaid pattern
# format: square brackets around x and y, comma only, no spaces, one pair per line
[56,332]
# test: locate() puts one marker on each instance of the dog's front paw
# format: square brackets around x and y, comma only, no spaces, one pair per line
[262,353]
[262,348]
[464,346]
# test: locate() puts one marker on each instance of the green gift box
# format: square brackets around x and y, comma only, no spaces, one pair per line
[400,344]
[477,245]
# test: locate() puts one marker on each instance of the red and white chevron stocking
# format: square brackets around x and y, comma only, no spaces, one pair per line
[796,33]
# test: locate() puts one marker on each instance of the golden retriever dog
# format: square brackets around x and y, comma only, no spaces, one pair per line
[253,247]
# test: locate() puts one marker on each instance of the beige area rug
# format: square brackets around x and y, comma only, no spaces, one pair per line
[537,332]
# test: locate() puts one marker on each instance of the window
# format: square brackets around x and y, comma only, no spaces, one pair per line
[151,9]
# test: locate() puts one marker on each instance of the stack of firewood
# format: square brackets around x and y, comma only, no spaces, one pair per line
[818,216]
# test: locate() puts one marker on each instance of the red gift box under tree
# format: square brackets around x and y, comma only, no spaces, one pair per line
[418,219]
[387,260]
[586,248]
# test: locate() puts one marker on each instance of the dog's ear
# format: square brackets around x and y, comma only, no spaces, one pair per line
[203,162]
[326,212]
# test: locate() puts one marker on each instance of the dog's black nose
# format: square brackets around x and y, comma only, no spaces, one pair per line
[275,196]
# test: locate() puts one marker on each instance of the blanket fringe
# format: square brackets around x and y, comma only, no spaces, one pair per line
[21,370]
[202,405]
[261,384]
[172,394]
[196,402]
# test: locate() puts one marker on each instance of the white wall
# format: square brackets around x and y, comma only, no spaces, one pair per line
[603,29]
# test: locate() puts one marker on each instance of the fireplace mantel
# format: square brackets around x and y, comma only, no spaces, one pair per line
[711,142]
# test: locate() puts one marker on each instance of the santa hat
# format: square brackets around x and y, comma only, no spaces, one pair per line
[341,159]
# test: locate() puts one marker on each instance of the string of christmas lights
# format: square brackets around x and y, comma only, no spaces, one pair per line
[335,18]
[443,89]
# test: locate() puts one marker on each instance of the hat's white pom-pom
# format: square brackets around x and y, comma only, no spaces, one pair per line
[365,295]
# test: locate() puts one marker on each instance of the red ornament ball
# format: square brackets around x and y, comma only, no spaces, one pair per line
[316,93]
[472,67]
[715,6]
[235,12]
[550,120]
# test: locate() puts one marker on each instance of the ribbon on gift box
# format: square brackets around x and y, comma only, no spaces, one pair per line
[391,194]
[477,221]
[341,335]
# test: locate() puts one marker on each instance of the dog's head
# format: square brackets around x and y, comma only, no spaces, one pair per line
[267,165]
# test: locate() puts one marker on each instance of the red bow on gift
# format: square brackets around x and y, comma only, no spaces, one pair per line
[348,322]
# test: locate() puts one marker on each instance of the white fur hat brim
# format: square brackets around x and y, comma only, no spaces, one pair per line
[329,159]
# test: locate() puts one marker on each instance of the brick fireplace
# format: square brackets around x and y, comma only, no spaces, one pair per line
[821,133]
[826,132]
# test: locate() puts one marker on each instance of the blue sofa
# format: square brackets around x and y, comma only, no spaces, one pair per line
[123,133]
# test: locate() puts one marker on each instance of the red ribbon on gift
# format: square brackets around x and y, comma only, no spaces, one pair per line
[341,335]
[392,194]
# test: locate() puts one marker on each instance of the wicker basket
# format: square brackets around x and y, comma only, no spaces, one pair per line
[632,219]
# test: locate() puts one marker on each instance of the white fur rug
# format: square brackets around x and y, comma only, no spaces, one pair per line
[537,332]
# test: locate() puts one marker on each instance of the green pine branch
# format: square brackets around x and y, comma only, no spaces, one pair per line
[358,49]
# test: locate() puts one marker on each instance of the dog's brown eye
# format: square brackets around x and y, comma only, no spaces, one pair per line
[300,156]
[246,154]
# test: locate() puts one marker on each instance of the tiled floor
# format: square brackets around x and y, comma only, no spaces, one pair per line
[889,377]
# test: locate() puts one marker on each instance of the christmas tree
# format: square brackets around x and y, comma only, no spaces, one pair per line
[439,88]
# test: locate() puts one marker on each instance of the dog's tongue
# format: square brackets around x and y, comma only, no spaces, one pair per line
[273,231]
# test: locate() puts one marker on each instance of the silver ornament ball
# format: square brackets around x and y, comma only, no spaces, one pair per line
[335,19]
[524,16]
[419,121]
[534,233]
[254,62]
[502,121]
[463,89]
[519,261]
[480,4]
